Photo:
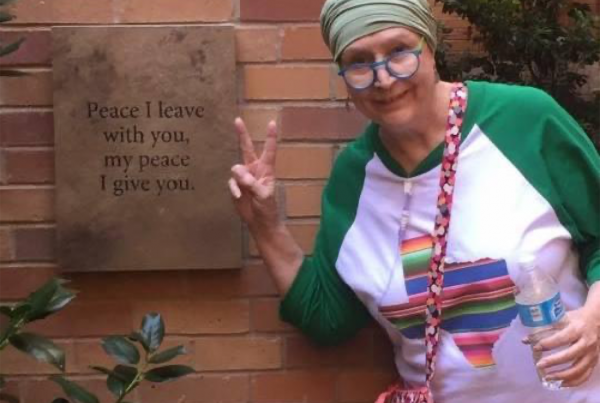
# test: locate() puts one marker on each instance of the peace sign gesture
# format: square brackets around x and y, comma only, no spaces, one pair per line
[252,184]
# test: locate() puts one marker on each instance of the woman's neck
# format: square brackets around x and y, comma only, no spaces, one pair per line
[409,145]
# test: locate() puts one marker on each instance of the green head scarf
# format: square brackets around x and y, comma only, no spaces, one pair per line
[344,21]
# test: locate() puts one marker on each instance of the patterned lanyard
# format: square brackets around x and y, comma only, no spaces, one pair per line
[458,103]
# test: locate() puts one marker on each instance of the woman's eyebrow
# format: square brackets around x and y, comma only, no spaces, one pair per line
[352,54]
[364,52]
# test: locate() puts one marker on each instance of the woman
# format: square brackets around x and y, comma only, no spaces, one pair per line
[527,182]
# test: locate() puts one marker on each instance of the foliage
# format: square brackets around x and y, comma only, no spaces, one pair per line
[137,356]
[5,16]
[48,299]
[542,43]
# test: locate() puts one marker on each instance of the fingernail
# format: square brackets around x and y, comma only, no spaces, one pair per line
[525,340]
[537,348]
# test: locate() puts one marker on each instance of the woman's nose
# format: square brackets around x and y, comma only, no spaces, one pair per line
[383,79]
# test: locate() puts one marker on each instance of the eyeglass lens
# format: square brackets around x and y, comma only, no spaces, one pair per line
[400,65]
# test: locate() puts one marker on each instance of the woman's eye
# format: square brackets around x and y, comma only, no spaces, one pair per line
[358,60]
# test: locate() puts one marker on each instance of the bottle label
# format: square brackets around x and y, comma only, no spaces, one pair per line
[542,314]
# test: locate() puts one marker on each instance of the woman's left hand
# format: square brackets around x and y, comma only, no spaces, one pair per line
[582,336]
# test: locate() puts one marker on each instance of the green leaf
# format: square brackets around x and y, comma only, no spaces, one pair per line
[137,336]
[75,391]
[120,378]
[49,298]
[8,398]
[6,311]
[5,2]
[40,298]
[20,311]
[4,17]
[61,298]
[5,50]
[168,373]
[116,386]
[40,348]
[121,349]
[167,355]
[153,330]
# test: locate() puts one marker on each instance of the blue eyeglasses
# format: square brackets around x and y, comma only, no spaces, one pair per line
[401,65]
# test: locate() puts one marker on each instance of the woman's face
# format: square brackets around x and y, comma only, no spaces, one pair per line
[391,102]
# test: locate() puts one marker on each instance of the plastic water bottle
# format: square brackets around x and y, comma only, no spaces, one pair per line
[541,310]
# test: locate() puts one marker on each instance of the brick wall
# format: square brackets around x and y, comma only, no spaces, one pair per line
[228,320]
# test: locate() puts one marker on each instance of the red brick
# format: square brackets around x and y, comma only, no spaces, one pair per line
[314,386]
[257,119]
[26,128]
[28,11]
[31,205]
[274,10]
[35,244]
[133,286]
[29,166]
[19,282]
[43,391]
[339,90]
[363,385]
[321,124]
[7,247]
[264,316]
[15,362]
[197,316]
[123,11]
[237,353]
[252,280]
[304,43]
[303,200]
[257,44]
[300,352]
[286,82]
[303,162]
[12,387]
[174,10]
[383,352]
[35,50]
[32,89]
[459,46]
[304,234]
[3,173]
[88,318]
[227,388]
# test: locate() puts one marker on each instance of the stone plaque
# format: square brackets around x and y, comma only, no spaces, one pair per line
[144,144]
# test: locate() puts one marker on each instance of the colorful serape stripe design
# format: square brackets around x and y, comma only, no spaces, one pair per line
[478,301]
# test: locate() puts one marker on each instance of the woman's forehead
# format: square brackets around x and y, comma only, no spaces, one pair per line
[389,36]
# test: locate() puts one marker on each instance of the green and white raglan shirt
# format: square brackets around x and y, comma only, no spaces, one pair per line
[528,181]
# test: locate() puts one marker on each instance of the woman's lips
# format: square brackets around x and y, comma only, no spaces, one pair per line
[388,101]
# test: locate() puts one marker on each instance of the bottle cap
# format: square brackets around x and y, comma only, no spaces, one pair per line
[527,262]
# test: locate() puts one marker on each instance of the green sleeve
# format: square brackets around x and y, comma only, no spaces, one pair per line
[319,302]
[574,168]
[321,305]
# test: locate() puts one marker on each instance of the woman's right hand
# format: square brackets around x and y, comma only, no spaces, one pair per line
[252,184]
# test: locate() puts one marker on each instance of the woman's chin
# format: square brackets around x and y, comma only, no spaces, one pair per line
[396,117]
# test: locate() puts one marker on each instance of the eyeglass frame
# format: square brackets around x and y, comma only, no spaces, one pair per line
[385,62]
